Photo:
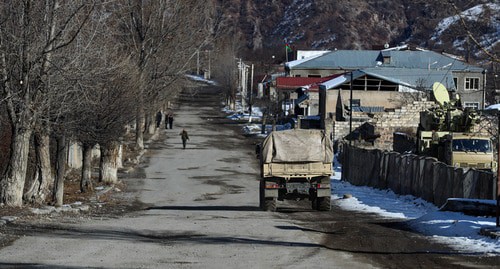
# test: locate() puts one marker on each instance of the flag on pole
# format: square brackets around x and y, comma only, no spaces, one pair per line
[288,47]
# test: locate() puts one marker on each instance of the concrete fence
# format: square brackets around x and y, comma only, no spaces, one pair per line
[415,175]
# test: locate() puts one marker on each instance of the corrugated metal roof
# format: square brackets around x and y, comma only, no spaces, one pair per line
[342,59]
[357,59]
[332,83]
[297,82]
[414,78]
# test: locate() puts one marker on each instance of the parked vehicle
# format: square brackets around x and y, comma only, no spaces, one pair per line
[295,164]
[446,134]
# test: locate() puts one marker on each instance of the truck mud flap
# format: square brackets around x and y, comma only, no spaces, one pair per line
[271,193]
[323,192]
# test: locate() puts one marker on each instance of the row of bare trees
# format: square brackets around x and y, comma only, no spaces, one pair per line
[81,71]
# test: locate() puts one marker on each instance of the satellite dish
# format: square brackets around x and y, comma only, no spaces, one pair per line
[440,93]
[386,45]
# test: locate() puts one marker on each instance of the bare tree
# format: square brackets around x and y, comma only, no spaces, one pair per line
[159,35]
[31,32]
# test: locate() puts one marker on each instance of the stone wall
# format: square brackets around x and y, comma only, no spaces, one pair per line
[405,118]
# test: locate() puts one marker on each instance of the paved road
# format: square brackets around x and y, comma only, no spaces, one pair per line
[201,212]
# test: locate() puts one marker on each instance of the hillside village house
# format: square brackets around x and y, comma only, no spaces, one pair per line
[382,80]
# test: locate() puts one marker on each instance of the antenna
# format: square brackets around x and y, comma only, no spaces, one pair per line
[440,93]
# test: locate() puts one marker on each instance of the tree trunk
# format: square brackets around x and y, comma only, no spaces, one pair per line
[108,171]
[86,180]
[62,155]
[42,184]
[12,184]
[151,124]
[139,127]
[119,160]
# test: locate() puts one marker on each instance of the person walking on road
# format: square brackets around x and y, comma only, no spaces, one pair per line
[170,120]
[159,115]
[184,137]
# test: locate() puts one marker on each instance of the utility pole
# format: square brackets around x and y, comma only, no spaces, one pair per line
[498,175]
[197,62]
[209,71]
[484,88]
[350,117]
[251,95]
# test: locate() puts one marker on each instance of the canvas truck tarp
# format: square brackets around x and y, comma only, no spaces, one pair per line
[297,145]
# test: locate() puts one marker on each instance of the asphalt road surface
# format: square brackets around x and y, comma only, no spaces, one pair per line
[200,210]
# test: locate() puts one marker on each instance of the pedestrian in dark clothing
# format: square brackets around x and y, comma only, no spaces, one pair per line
[158,119]
[171,120]
[184,137]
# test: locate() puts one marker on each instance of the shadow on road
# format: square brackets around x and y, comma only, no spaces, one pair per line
[298,228]
[39,265]
[206,208]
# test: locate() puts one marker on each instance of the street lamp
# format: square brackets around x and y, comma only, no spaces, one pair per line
[484,87]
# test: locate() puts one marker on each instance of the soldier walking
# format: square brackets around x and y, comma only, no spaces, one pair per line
[159,115]
[170,120]
[184,137]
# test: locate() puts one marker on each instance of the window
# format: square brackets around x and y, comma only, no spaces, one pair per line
[472,83]
[474,105]
[356,102]
[455,81]
[476,145]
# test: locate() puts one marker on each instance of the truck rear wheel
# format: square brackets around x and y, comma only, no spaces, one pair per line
[323,203]
[262,197]
[269,204]
[314,203]
[266,203]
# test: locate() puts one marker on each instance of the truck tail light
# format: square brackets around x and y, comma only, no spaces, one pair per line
[272,185]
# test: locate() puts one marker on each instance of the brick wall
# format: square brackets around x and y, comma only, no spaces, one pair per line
[405,118]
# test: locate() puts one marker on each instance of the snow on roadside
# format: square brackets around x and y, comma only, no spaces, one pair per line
[457,230]
[201,79]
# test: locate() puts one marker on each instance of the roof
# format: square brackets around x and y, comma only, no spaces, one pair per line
[341,79]
[412,78]
[308,56]
[358,59]
[293,83]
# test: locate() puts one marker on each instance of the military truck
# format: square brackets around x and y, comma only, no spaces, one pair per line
[461,150]
[446,133]
[295,164]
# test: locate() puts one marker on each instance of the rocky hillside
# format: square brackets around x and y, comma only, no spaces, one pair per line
[361,24]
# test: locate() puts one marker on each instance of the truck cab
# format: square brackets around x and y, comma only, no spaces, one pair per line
[466,151]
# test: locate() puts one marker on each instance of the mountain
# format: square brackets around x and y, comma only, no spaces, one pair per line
[361,24]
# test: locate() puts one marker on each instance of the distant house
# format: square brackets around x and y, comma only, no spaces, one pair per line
[406,70]
[394,80]
[301,93]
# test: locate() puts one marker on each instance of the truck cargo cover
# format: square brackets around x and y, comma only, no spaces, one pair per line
[297,145]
